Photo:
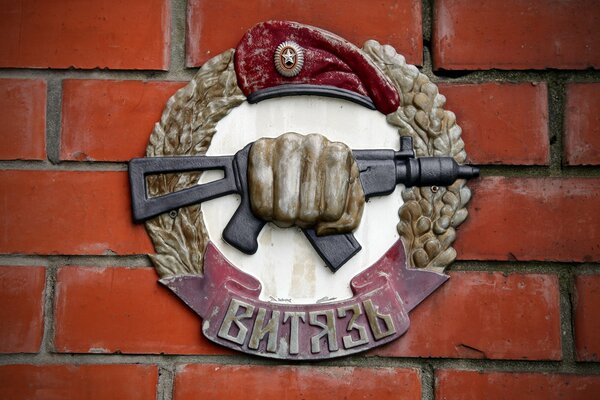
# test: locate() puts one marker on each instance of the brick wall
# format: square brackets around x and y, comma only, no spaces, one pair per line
[82,315]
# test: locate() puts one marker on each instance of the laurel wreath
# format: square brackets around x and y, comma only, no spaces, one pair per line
[428,217]
[186,127]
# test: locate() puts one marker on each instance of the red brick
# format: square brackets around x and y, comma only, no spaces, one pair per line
[549,219]
[78,382]
[107,310]
[206,381]
[68,212]
[22,119]
[22,311]
[106,120]
[85,34]
[485,315]
[493,132]
[516,34]
[397,23]
[582,124]
[587,324]
[473,385]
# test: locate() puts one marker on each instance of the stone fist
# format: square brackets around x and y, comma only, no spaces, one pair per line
[306,181]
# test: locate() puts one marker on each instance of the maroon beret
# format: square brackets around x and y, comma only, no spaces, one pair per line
[282,58]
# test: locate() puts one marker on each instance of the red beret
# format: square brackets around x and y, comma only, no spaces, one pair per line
[280,58]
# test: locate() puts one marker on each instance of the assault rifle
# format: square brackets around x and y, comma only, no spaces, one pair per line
[380,171]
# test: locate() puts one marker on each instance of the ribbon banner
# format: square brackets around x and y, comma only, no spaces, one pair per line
[228,301]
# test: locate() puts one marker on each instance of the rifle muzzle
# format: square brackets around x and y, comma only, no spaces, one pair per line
[433,171]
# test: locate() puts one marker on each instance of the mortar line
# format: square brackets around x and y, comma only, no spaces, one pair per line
[523,266]
[138,260]
[525,171]
[556,102]
[427,67]
[178,39]
[53,120]
[49,321]
[516,366]
[427,22]
[165,383]
[427,382]
[18,260]
[567,286]
[515,76]
[486,365]
[57,165]
[185,74]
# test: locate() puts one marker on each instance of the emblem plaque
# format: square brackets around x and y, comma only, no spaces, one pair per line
[310,243]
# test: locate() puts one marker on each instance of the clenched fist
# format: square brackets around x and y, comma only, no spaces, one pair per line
[306,181]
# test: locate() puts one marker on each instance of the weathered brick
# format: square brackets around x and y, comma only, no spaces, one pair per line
[582,124]
[474,385]
[516,34]
[68,212]
[22,311]
[78,382]
[485,315]
[550,219]
[587,324]
[107,310]
[194,381]
[502,123]
[85,34]
[22,119]
[105,120]
[396,23]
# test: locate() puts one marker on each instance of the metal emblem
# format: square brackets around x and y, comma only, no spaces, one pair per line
[289,59]
[231,263]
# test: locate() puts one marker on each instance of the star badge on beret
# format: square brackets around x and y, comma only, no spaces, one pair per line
[289,59]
